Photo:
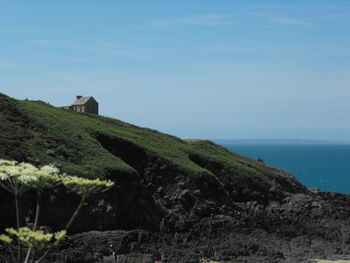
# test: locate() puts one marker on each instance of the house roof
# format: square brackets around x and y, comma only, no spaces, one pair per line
[81,101]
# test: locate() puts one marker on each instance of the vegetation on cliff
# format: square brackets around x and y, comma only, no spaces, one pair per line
[157,174]
[78,142]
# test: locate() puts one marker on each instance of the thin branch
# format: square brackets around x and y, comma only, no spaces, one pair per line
[68,225]
[36,221]
[37,214]
[11,253]
[43,256]
[80,206]
[19,249]
[6,188]
[28,255]
[33,256]
[3,259]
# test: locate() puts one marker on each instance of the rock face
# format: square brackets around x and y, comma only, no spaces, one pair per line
[298,228]
[174,199]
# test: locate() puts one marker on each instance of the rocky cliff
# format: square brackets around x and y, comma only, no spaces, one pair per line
[186,197]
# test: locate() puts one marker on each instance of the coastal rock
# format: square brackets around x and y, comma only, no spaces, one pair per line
[289,231]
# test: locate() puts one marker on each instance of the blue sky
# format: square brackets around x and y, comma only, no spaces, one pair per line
[195,69]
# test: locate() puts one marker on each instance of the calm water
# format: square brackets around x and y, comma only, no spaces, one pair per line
[317,166]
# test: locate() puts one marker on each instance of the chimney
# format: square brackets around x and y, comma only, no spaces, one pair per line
[78,97]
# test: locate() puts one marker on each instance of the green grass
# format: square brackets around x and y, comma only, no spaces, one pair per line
[77,129]
[68,139]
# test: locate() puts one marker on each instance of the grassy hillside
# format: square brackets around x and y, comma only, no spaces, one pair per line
[96,146]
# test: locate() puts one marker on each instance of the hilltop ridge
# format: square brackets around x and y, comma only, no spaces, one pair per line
[169,173]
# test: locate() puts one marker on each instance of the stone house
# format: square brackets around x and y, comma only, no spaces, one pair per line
[84,105]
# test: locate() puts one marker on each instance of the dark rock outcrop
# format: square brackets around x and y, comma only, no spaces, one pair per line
[296,229]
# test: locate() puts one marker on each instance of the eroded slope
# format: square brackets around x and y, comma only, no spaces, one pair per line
[159,176]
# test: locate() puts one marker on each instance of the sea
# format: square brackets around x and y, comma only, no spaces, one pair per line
[326,167]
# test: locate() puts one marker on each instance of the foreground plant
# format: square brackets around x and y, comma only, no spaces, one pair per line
[18,178]
[84,188]
[35,241]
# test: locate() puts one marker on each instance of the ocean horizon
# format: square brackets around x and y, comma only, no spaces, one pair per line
[323,166]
